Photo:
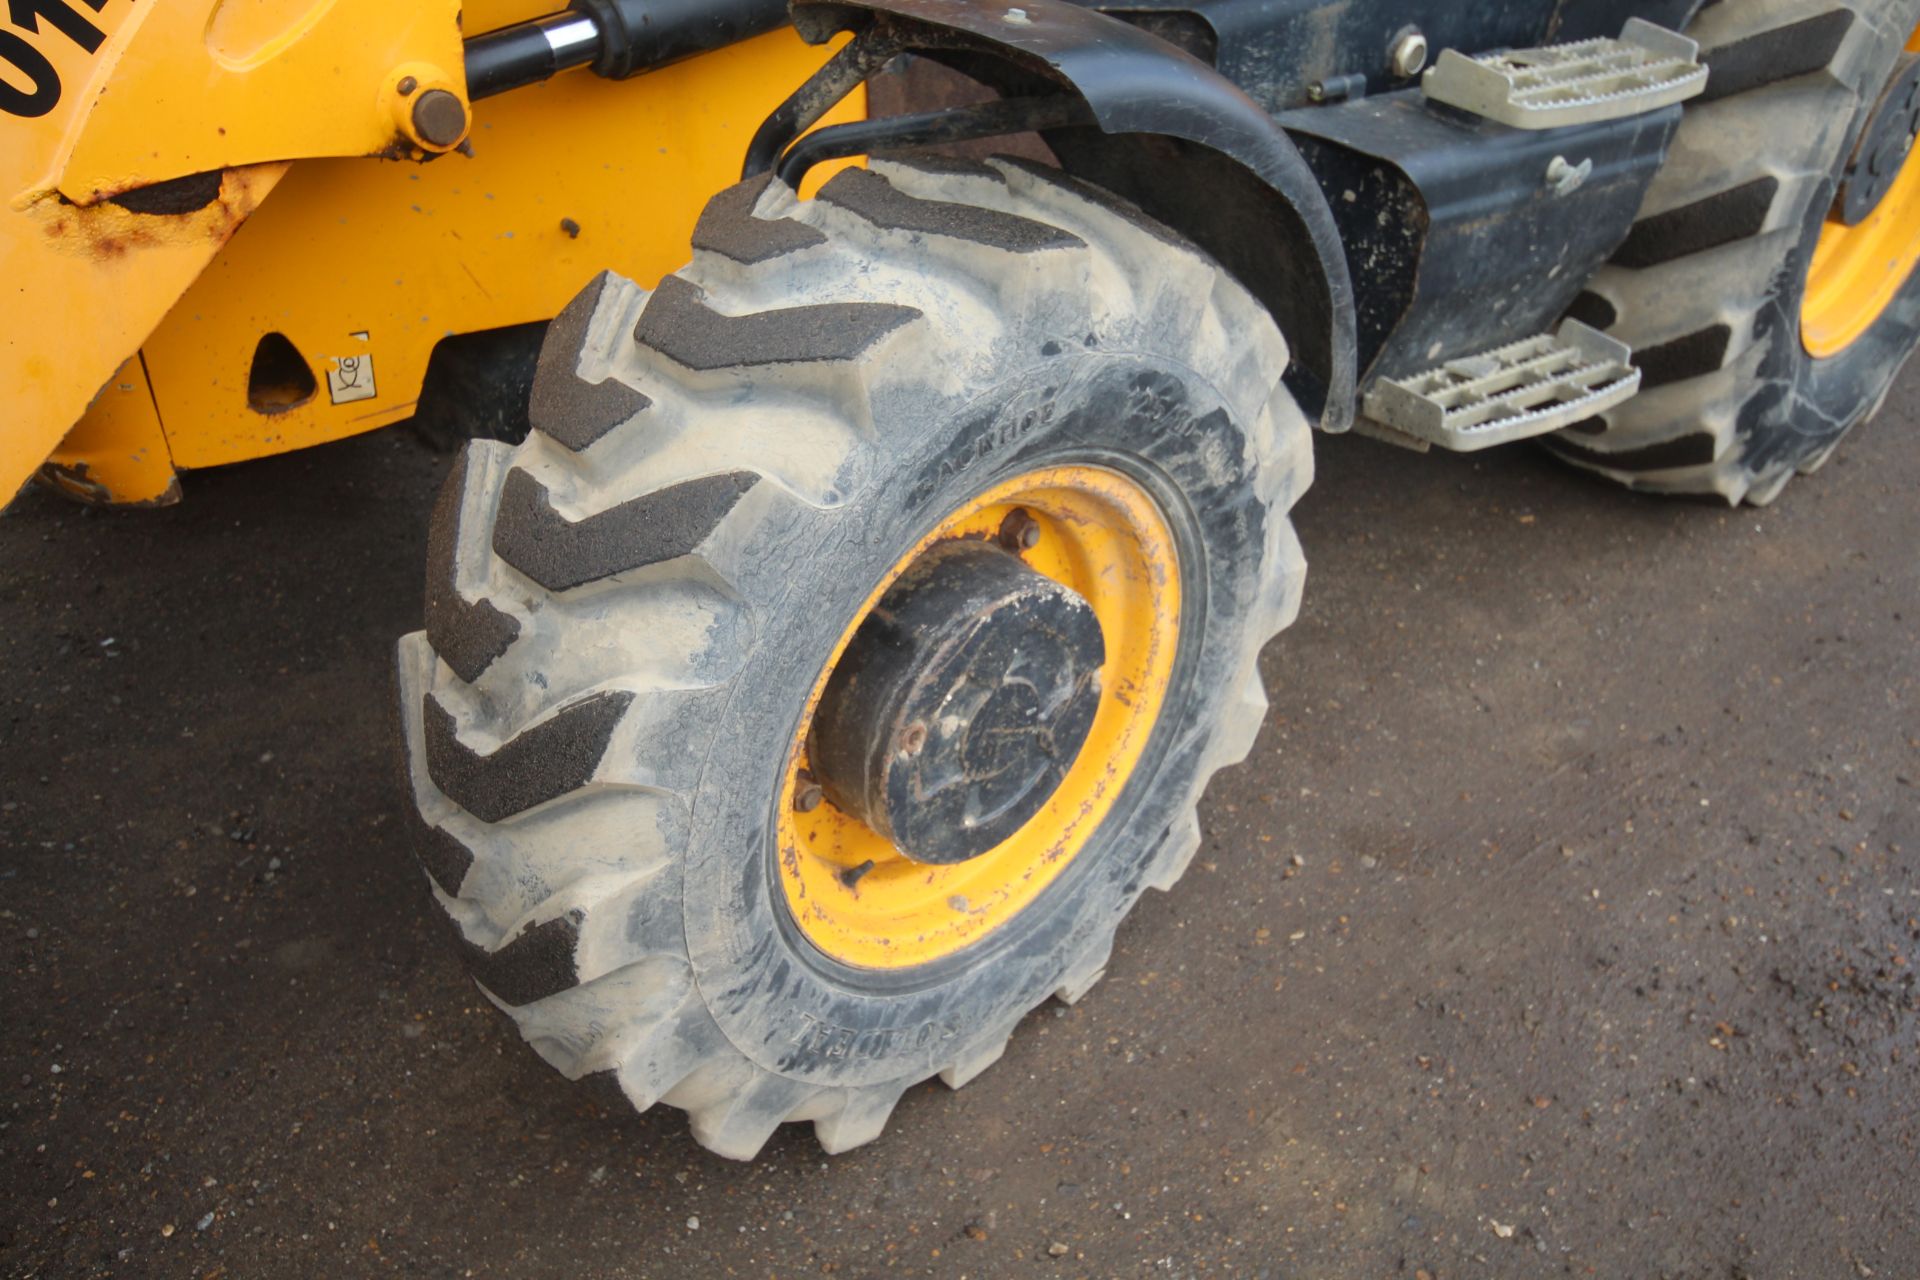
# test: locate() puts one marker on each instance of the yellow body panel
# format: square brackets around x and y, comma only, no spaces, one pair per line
[96,103]
[407,254]
[92,282]
[211,84]
[854,895]
[362,263]
[118,452]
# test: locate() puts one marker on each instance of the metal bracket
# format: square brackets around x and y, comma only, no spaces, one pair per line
[1648,67]
[1526,388]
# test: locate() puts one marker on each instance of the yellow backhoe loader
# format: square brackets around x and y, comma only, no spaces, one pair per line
[842,601]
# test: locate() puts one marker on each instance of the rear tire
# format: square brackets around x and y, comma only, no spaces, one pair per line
[626,613]
[1708,287]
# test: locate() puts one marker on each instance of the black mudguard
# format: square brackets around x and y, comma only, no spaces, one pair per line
[1171,135]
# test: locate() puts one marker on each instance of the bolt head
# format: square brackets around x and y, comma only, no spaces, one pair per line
[1409,56]
[806,793]
[439,117]
[1019,531]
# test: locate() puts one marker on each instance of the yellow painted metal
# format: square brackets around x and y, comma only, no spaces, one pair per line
[1102,535]
[118,452]
[362,264]
[88,284]
[1856,271]
[379,261]
[118,95]
[211,84]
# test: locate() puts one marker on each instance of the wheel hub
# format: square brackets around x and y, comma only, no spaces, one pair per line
[963,700]
[1884,145]
[989,702]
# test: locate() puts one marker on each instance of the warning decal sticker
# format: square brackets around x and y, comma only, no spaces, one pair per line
[350,378]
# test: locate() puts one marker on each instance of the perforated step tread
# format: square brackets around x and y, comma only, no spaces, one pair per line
[1526,388]
[1646,68]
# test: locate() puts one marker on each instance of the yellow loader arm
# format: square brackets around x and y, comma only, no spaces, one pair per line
[147,337]
[137,137]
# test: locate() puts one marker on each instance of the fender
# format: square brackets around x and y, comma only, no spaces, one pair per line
[1171,135]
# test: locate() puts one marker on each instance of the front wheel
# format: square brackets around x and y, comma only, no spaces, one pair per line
[816,689]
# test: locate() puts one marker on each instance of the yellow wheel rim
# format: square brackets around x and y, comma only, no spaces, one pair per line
[1857,271]
[1103,536]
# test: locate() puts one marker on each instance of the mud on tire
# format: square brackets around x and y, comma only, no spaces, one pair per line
[626,612]
[1707,288]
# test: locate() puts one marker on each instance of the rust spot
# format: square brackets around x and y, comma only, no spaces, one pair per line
[107,248]
[110,229]
[70,480]
[399,147]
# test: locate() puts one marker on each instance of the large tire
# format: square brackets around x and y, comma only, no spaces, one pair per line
[627,610]
[1708,286]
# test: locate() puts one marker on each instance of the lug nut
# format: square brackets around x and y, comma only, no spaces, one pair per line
[806,793]
[913,738]
[1019,531]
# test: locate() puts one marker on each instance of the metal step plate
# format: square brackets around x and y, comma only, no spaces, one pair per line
[1646,68]
[1526,388]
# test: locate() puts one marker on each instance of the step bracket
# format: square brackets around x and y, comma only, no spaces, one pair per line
[1526,388]
[1646,68]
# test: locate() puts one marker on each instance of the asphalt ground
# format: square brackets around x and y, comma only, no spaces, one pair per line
[1562,923]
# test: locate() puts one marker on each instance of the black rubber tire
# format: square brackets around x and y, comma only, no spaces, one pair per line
[1707,287]
[626,613]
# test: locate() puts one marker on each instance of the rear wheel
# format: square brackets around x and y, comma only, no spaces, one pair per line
[822,681]
[1768,288]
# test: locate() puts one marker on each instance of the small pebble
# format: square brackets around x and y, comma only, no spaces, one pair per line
[693,1224]
[204,1223]
[1056,1250]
